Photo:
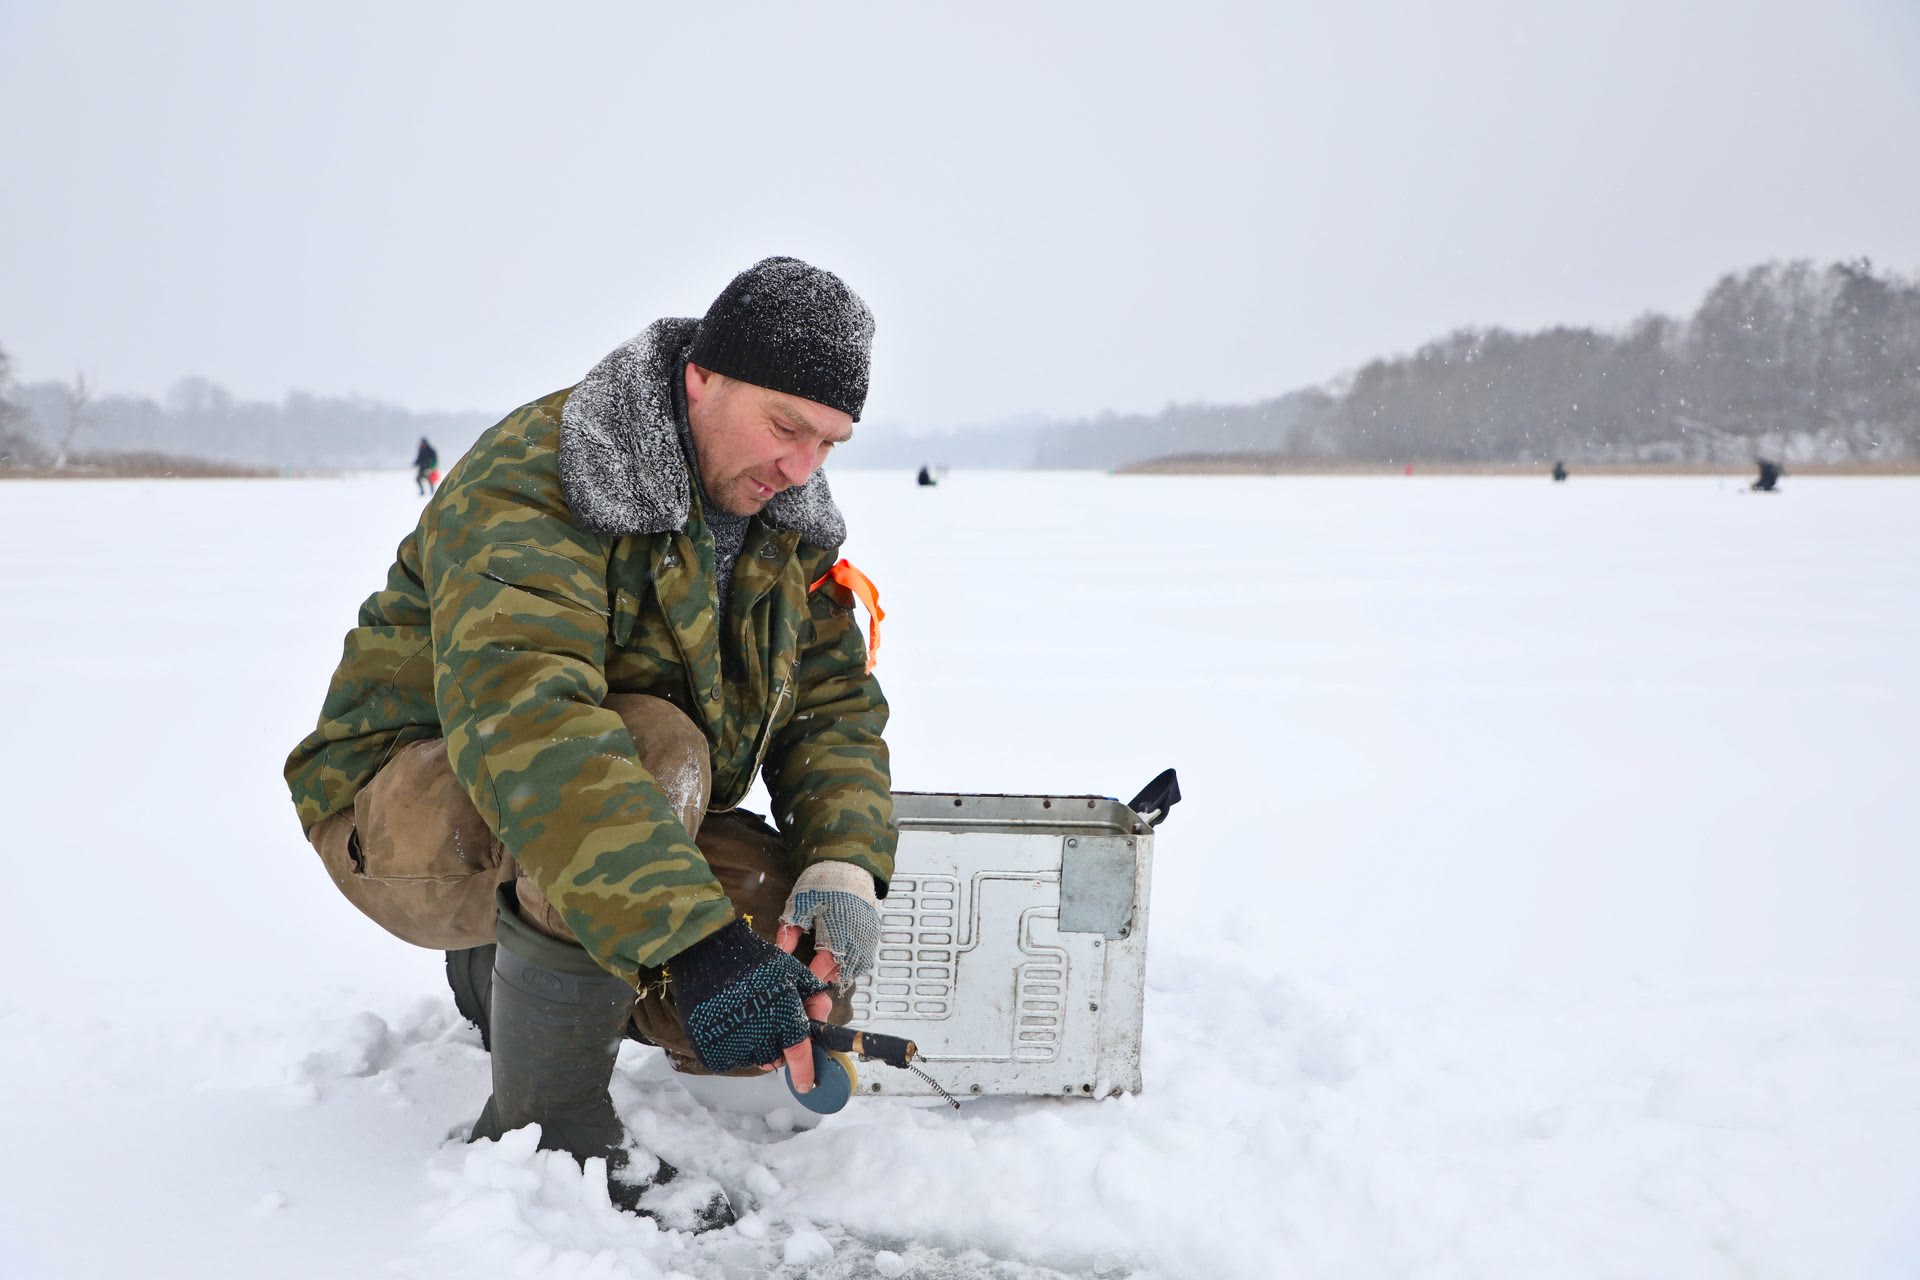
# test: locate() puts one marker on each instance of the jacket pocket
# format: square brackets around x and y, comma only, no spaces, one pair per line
[414,855]
[543,573]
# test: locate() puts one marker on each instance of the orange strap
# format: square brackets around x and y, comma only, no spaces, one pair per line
[862,586]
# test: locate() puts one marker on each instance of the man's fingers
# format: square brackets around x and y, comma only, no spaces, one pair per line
[825,966]
[799,1058]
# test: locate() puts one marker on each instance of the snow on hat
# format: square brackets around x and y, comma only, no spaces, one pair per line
[790,327]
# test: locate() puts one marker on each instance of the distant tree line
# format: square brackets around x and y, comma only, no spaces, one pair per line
[1791,359]
[200,419]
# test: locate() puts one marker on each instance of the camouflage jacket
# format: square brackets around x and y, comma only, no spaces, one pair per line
[565,558]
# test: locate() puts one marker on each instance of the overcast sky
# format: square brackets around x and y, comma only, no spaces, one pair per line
[1052,209]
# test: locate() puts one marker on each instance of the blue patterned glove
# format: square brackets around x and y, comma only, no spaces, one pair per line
[739,997]
[835,901]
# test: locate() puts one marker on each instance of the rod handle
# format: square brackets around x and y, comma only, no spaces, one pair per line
[892,1050]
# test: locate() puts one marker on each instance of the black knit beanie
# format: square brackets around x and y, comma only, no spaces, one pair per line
[790,327]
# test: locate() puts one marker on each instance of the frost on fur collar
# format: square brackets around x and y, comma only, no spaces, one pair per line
[621,467]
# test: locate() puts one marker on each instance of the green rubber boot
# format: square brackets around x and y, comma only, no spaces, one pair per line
[470,978]
[555,1027]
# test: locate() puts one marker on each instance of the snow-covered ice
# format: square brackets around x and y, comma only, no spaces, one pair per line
[1542,903]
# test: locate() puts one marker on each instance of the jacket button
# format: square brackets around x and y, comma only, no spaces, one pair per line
[669,560]
[713,694]
[769,551]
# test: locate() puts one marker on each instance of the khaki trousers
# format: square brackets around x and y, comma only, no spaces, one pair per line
[414,855]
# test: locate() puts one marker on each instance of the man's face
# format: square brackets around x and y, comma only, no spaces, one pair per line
[752,442]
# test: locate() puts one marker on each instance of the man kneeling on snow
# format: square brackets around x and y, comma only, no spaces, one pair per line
[621,603]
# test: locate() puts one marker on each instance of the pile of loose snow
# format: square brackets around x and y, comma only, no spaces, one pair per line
[1539,905]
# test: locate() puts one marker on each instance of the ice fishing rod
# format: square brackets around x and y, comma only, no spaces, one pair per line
[833,1071]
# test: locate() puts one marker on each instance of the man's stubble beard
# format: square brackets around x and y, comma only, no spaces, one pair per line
[741,497]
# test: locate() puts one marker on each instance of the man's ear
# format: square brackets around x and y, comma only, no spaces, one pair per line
[698,380]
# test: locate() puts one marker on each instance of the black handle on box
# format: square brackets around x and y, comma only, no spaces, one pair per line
[1157,797]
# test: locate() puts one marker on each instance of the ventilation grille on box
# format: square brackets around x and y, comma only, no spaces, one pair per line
[919,944]
[1039,989]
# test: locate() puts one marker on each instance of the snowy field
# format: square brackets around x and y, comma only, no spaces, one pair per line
[1542,905]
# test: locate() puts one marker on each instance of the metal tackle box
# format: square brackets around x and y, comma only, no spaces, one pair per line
[1013,945]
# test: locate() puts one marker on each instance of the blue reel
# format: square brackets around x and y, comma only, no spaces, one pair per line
[832,1082]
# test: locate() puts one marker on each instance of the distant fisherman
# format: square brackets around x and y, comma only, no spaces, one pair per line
[625,601]
[426,467]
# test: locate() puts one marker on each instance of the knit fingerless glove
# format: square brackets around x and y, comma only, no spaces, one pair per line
[836,903]
[739,997]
